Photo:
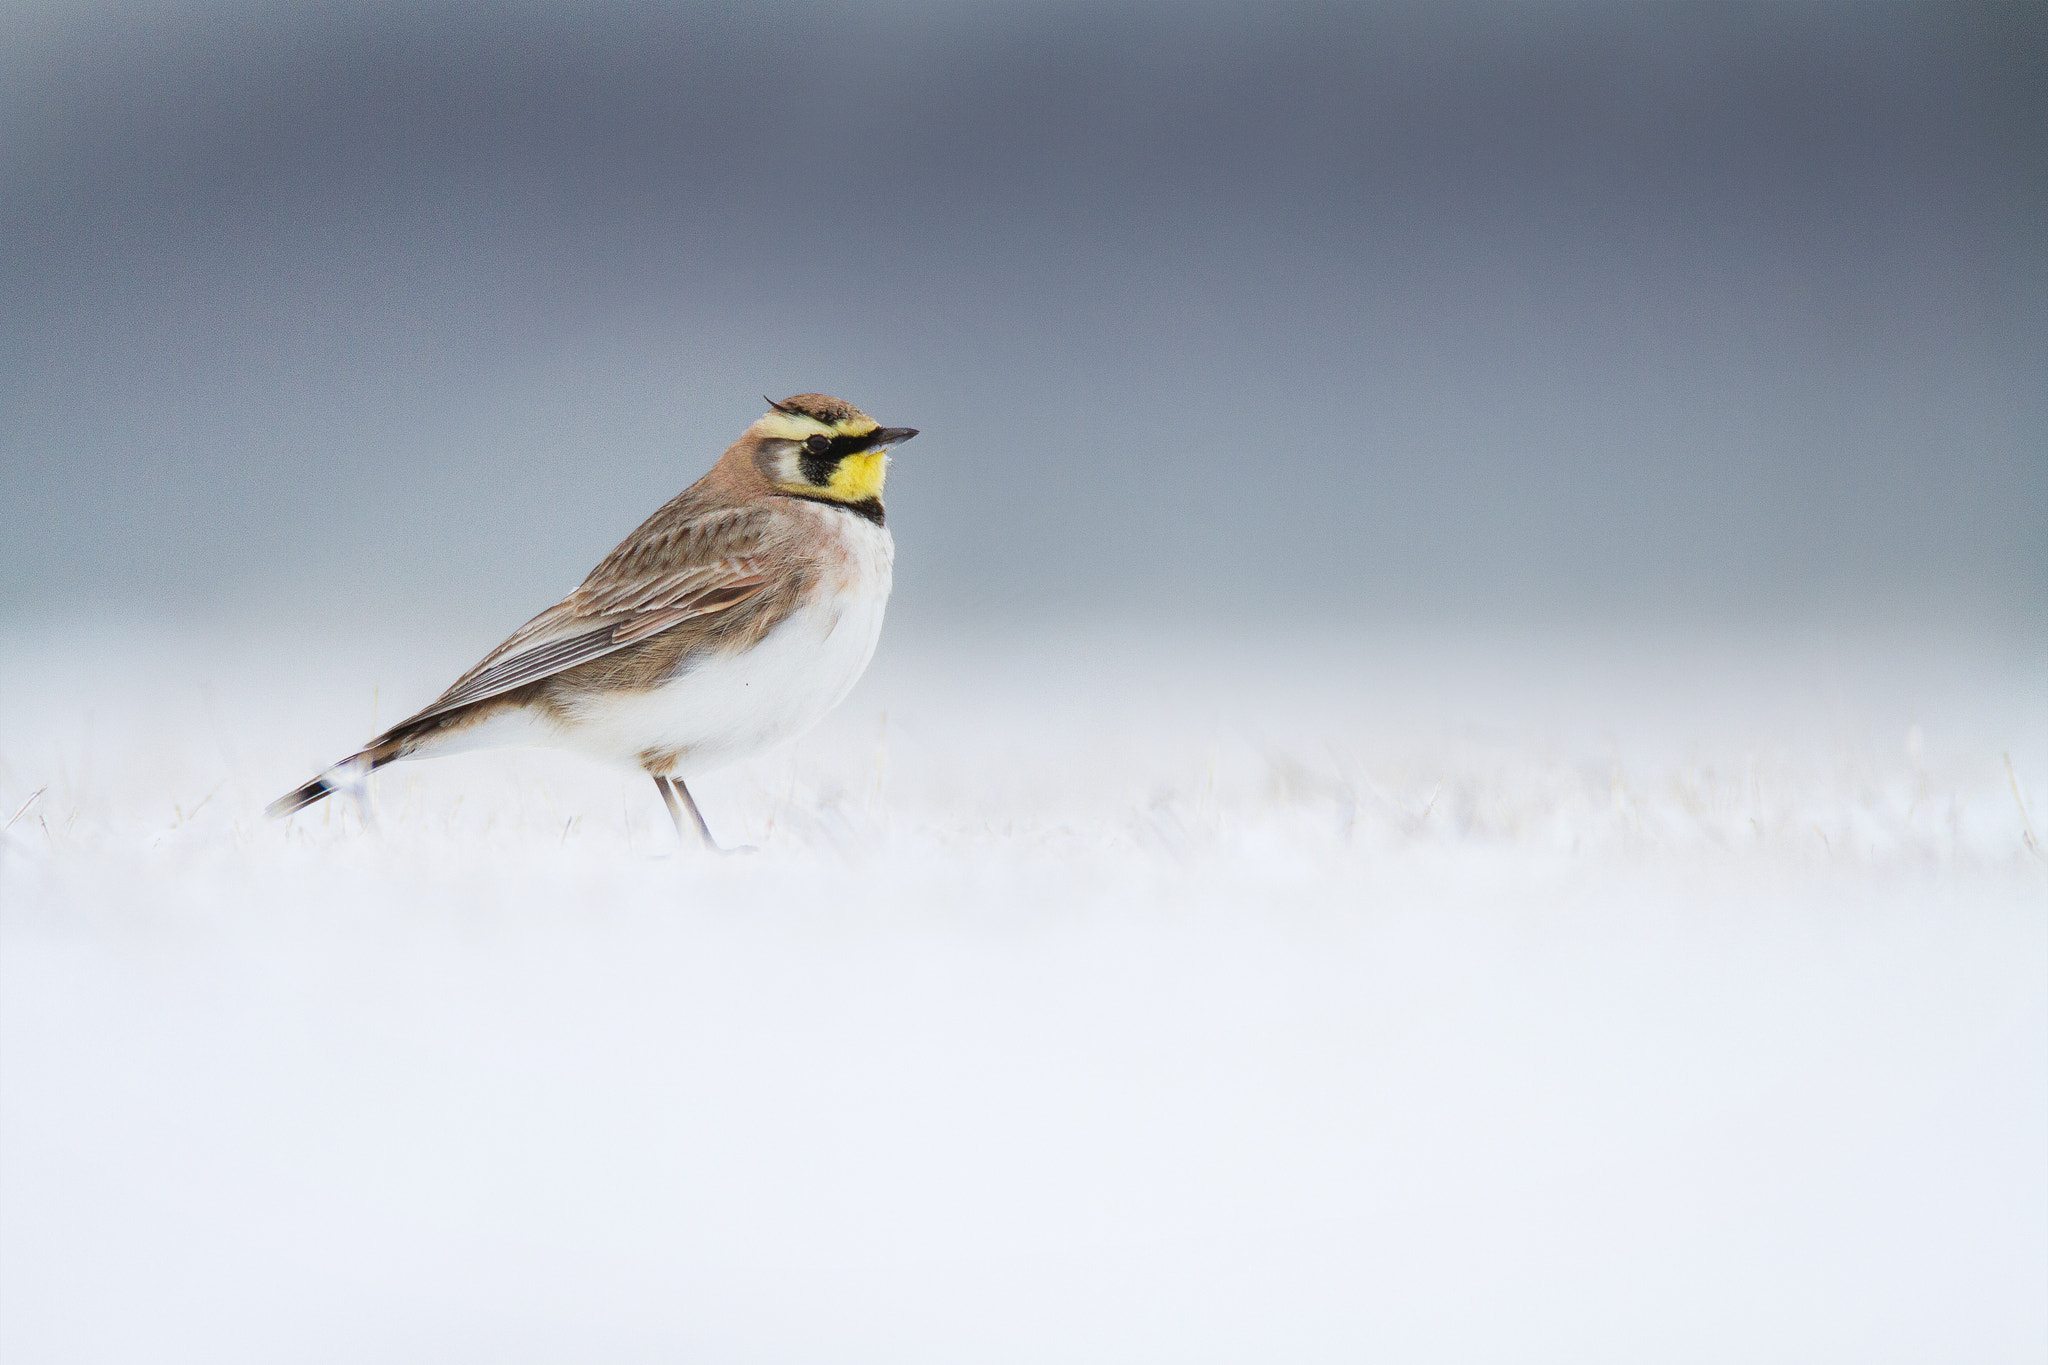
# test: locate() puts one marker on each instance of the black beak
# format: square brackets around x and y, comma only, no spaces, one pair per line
[891,436]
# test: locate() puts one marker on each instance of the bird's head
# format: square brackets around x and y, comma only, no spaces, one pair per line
[814,446]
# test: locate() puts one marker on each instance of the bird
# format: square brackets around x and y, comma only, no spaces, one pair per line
[733,619]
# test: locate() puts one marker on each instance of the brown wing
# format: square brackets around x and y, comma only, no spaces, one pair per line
[691,567]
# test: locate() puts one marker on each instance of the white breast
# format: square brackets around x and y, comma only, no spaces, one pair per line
[730,706]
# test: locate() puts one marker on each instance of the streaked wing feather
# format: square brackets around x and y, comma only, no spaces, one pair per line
[590,625]
[664,592]
[527,666]
[711,600]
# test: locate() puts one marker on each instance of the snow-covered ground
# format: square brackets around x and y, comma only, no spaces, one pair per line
[1403,997]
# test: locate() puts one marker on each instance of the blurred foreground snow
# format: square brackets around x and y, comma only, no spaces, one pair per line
[1425,998]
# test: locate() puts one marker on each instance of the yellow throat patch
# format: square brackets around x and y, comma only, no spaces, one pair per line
[858,478]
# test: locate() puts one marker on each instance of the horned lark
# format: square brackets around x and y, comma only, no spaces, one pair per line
[733,619]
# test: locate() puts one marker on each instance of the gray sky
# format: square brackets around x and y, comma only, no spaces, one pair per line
[1232,312]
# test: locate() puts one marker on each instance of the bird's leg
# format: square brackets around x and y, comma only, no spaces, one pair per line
[669,789]
[690,803]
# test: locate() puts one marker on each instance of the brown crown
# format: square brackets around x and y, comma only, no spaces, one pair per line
[822,406]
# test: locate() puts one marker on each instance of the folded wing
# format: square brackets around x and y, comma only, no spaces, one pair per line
[600,619]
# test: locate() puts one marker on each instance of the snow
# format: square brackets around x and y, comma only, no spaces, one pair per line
[1202,996]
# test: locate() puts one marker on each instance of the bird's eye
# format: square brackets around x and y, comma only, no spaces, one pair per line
[818,445]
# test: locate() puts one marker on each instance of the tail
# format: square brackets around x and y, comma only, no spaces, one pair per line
[347,775]
[414,735]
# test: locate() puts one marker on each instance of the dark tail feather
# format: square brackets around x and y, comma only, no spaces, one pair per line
[359,765]
[316,790]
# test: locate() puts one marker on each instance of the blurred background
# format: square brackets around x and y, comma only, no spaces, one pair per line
[1457,774]
[1443,312]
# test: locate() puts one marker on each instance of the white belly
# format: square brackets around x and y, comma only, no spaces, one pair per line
[730,706]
